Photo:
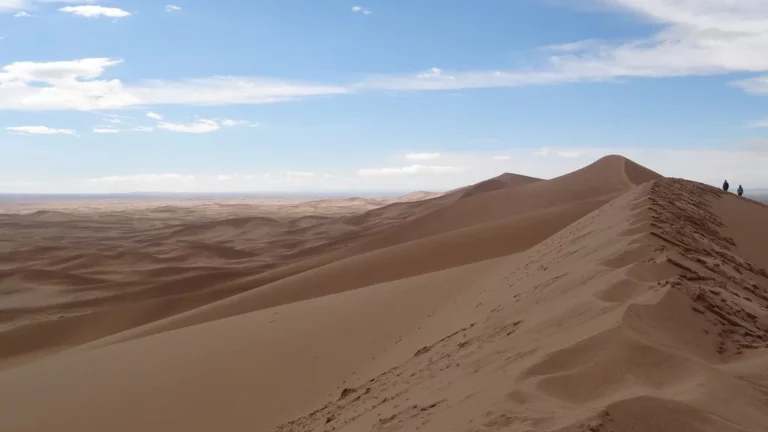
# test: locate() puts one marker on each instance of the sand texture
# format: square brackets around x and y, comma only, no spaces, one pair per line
[610,299]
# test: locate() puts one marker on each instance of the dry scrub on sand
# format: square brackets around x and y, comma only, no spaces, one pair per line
[609,299]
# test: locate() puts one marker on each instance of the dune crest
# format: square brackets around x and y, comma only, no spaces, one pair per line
[609,299]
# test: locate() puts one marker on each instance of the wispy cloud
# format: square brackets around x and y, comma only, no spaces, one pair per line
[106,130]
[23,14]
[501,158]
[422,156]
[142,129]
[707,37]
[228,90]
[201,126]
[74,85]
[361,9]
[40,130]
[412,169]
[757,85]
[570,47]
[94,11]
[154,116]
[172,8]
[434,73]
[231,123]
[111,116]
[544,151]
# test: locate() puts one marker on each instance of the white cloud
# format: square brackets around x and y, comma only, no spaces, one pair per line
[54,72]
[73,85]
[154,116]
[61,85]
[422,156]
[413,169]
[172,8]
[544,151]
[201,126]
[361,9]
[231,123]
[142,129]
[569,154]
[8,5]
[113,120]
[15,5]
[40,130]
[22,14]
[501,158]
[95,11]
[105,130]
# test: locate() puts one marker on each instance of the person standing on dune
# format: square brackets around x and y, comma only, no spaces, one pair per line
[740,190]
[725,186]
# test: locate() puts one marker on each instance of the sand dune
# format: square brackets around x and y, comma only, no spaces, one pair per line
[609,299]
[497,183]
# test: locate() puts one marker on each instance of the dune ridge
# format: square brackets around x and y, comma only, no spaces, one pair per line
[610,299]
[661,357]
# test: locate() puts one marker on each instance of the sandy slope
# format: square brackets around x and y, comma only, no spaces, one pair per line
[506,221]
[610,300]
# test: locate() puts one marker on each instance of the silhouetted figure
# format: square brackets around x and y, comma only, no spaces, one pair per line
[725,186]
[740,190]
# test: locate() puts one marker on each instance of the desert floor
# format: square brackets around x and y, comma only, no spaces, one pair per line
[610,299]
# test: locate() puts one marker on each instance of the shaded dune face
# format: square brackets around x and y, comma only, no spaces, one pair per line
[608,299]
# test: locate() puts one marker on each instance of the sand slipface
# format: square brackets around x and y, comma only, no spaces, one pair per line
[609,299]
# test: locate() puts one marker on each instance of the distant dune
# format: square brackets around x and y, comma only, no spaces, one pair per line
[609,299]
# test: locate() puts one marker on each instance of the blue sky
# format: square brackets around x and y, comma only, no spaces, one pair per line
[395,95]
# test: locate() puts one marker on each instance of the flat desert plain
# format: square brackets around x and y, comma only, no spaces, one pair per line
[609,299]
